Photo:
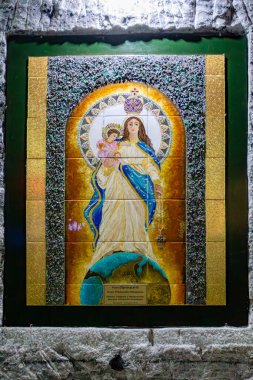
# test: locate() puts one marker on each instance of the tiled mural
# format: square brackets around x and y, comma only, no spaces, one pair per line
[126,180]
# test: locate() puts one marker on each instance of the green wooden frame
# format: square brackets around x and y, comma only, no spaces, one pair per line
[235,313]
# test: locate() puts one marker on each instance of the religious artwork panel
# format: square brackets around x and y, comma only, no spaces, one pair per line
[126,180]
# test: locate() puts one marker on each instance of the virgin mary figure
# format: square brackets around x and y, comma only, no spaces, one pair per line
[124,200]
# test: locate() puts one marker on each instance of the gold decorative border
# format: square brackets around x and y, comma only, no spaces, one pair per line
[36,182]
[215,181]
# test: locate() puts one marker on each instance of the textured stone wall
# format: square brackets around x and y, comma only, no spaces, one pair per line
[113,16]
[167,354]
[185,353]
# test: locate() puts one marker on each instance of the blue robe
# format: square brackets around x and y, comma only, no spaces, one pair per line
[141,183]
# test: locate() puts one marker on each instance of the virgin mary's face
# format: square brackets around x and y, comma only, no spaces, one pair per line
[133,126]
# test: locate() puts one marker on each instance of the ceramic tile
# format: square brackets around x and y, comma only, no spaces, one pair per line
[158,294]
[123,122]
[170,219]
[216,294]
[90,131]
[91,294]
[78,257]
[139,247]
[36,137]
[37,67]
[35,263]
[215,178]
[130,98]
[215,96]
[137,267]
[123,105]
[132,214]
[36,295]
[178,136]
[124,149]
[173,178]
[113,181]
[215,64]
[73,294]
[76,226]
[159,135]
[124,126]
[139,164]
[93,142]
[35,179]
[215,220]
[109,99]
[132,270]
[171,258]
[133,273]
[123,268]
[35,221]
[37,97]
[167,136]
[215,263]
[128,273]
[215,136]
[80,251]
[155,179]
[78,179]
[177,294]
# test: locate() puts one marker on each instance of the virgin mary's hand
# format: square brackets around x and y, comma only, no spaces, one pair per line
[158,191]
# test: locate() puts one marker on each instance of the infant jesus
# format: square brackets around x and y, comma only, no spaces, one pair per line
[108,147]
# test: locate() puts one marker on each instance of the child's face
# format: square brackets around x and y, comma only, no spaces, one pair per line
[112,137]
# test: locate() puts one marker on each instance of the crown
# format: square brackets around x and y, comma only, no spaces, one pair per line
[133,105]
[109,126]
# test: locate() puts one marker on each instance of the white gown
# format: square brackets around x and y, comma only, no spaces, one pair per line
[124,213]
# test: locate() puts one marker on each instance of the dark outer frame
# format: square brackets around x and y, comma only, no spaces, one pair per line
[235,313]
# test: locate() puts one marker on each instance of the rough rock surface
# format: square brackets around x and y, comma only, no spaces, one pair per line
[187,353]
[132,16]
[181,354]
